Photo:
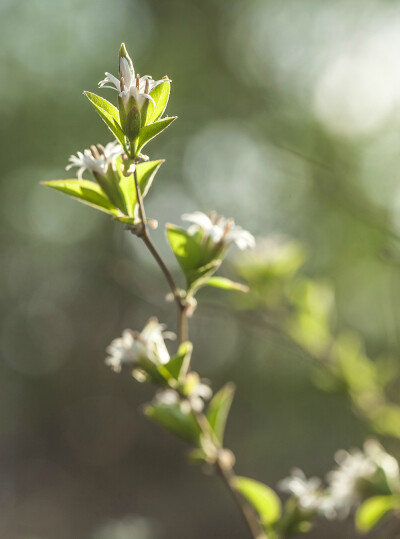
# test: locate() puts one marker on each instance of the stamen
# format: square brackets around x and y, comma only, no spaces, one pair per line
[218,219]
[228,227]
[122,83]
[146,86]
[137,81]
[95,151]
[102,149]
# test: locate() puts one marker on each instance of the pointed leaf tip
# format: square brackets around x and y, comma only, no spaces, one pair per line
[226,284]
[122,50]
[218,410]
[85,191]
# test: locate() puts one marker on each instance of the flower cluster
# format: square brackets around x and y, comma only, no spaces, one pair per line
[134,347]
[129,85]
[309,493]
[358,475]
[217,229]
[194,401]
[147,354]
[97,160]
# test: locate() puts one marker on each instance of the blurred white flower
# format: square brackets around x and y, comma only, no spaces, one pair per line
[347,482]
[96,159]
[200,393]
[308,492]
[344,482]
[134,346]
[130,527]
[194,401]
[131,85]
[384,461]
[219,229]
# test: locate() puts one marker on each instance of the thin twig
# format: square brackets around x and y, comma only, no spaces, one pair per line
[145,236]
[225,472]
[229,478]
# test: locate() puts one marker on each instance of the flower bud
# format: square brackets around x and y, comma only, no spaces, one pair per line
[123,53]
[130,116]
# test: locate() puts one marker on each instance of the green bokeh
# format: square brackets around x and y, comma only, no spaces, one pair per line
[288,121]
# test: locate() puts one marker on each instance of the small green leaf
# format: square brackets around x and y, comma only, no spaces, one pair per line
[145,174]
[150,131]
[109,114]
[218,410]
[174,420]
[125,219]
[192,256]
[373,510]
[157,374]
[200,276]
[176,363]
[85,191]
[110,184]
[186,248]
[225,284]
[264,500]
[160,94]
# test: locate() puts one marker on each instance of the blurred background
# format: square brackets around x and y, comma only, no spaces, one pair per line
[289,120]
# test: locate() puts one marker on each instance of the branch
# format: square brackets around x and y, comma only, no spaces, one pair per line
[225,472]
[143,233]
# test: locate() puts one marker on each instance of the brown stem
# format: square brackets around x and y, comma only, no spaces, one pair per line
[226,472]
[144,235]
[229,478]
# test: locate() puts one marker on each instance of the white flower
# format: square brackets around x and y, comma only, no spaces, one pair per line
[129,84]
[384,461]
[96,159]
[219,229]
[355,467]
[308,492]
[199,394]
[134,346]
[194,401]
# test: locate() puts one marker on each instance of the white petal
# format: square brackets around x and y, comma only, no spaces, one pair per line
[126,72]
[200,219]
[113,80]
[242,238]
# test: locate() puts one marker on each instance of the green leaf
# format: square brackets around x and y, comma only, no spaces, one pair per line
[200,276]
[160,94]
[85,191]
[373,510]
[187,250]
[264,500]
[225,284]
[150,131]
[192,256]
[145,174]
[218,410]
[110,184]
[176,363]
[157,374]
[109,114]
[174,420]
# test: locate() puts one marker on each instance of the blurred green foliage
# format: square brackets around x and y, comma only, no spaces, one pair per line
[288,121]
